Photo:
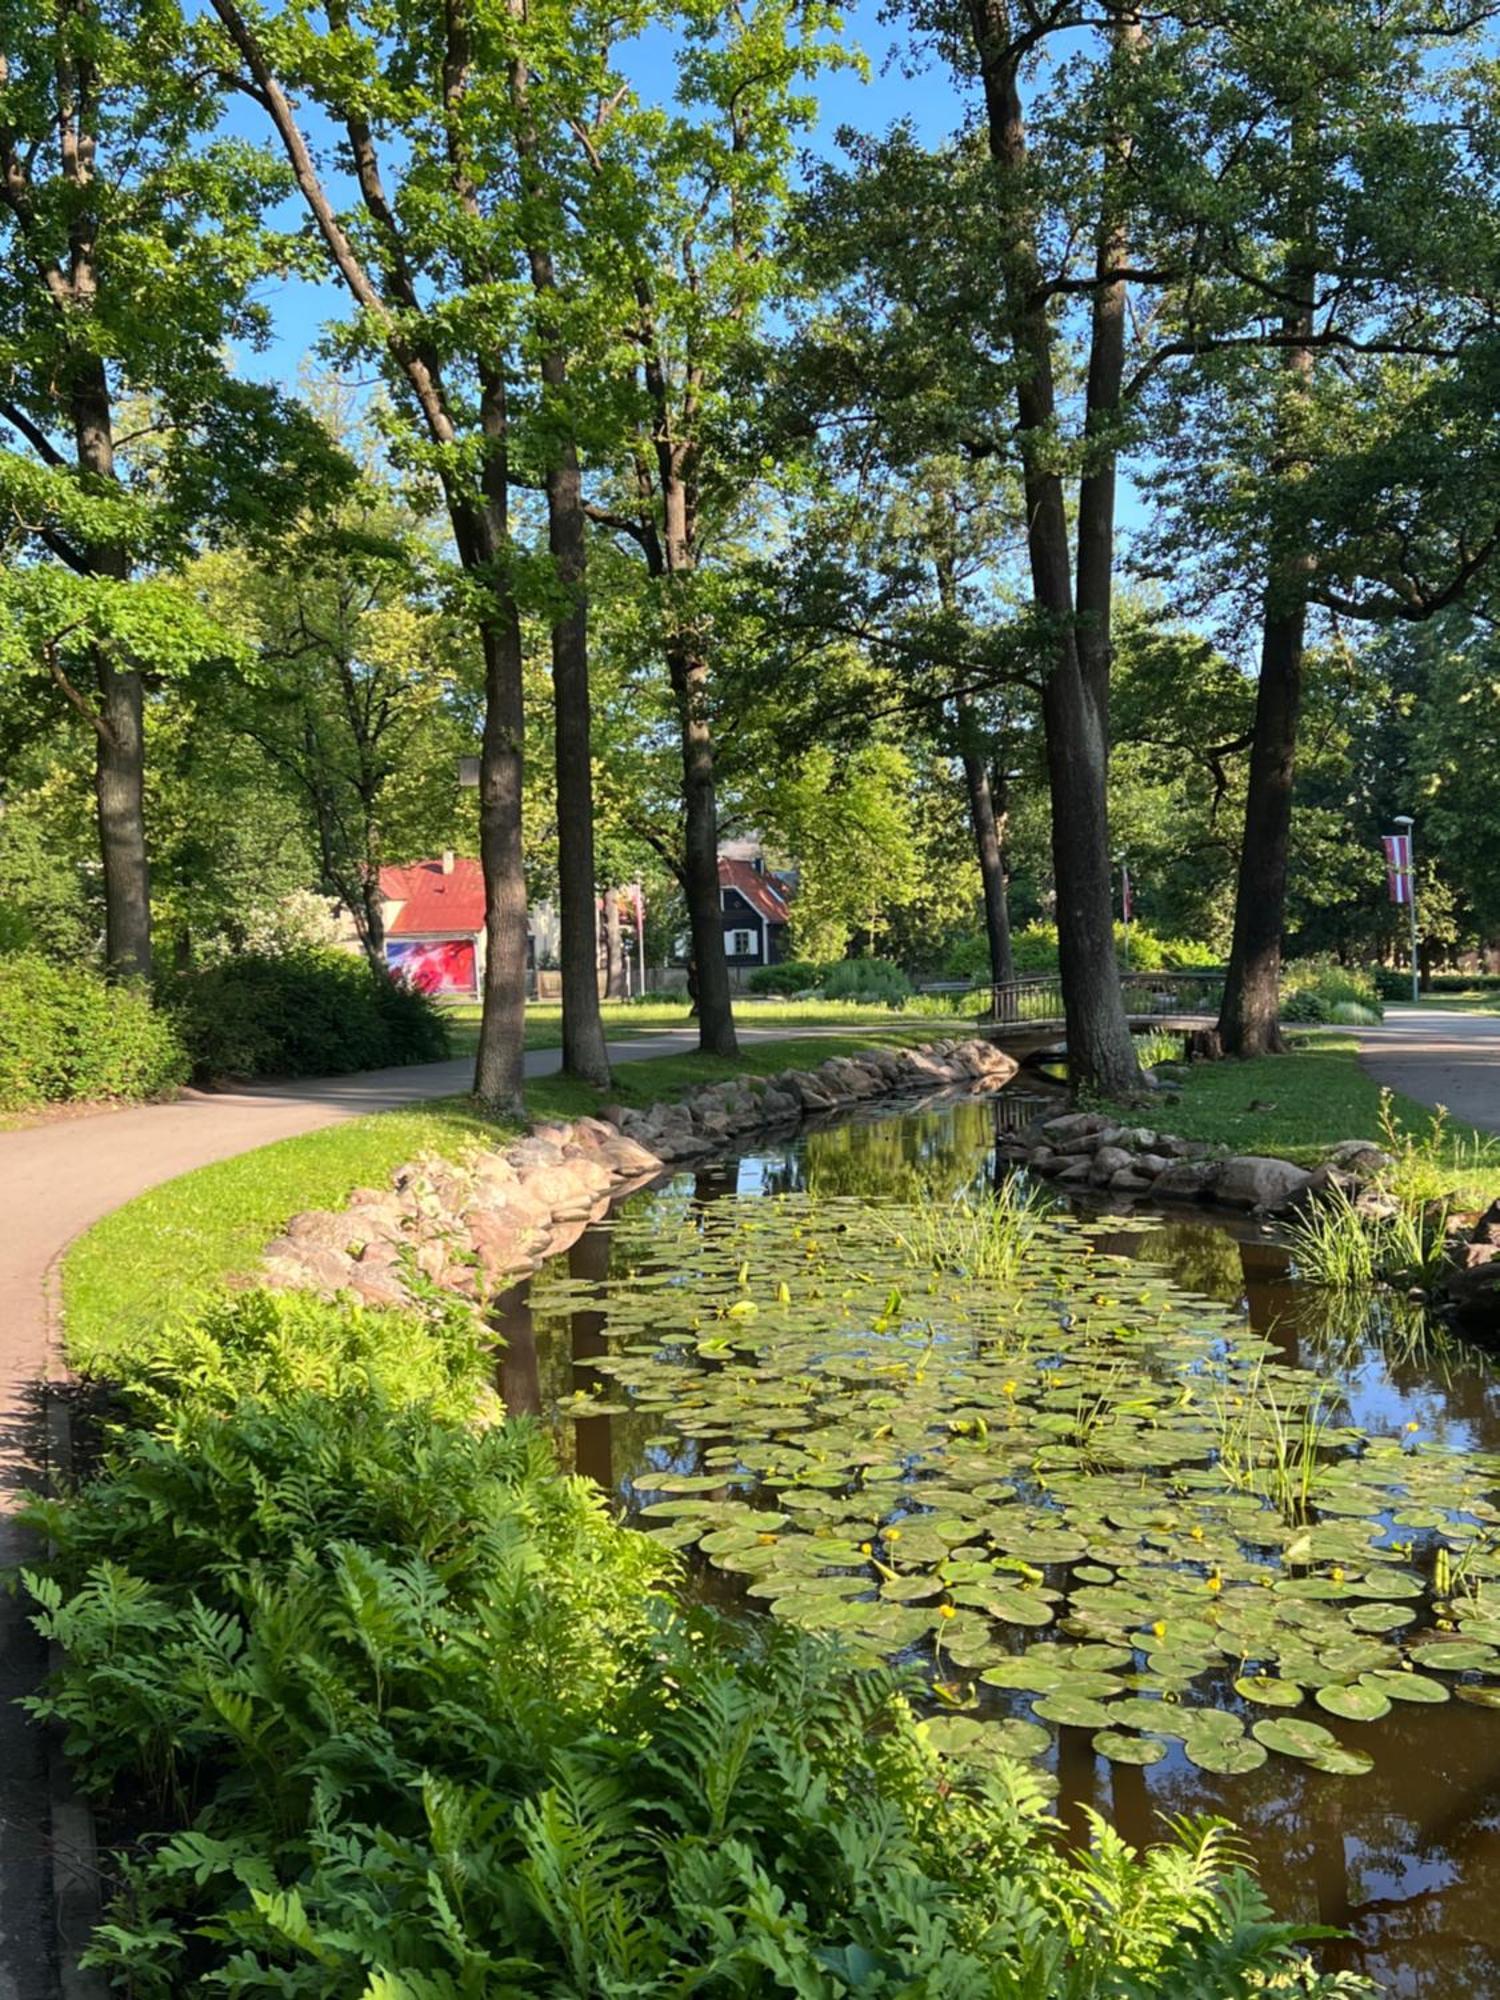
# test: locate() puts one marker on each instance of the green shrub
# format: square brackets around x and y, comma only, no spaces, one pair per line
[1034,949]
[792,976]
[418,1719]
[308,1013]
[270,1346]
[65,1035]
[873,981]
[1312,988]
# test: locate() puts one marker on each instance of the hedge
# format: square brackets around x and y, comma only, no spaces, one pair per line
[66,1037]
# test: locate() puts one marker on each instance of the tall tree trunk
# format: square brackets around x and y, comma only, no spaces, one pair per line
[583,1051]
[986,824]
[120,797]
[499,1066]
[1101,1052]
[120,733]
[700,855]
[373,905]
[1249,1019]
[614,947]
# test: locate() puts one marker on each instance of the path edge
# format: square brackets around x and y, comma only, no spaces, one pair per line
[77,1879]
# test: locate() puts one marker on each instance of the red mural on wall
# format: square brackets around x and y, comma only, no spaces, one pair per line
[434,965]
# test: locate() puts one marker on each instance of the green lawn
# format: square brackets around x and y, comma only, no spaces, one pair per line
[1296,1106]
[155,1254]
[624,1021]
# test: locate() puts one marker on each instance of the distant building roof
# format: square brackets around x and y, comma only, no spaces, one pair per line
[762,892]
[435,902]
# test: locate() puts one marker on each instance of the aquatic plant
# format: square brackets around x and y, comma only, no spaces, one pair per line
[1336,1242]
[981,1237]
[1085,1495]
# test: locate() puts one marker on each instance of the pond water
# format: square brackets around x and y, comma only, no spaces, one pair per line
[1194,1537]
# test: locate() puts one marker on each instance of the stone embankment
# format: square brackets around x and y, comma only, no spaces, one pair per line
[1089,1151]
[472,1227]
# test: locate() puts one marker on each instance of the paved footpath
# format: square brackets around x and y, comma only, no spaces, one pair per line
[56,1179]
[1439,1056]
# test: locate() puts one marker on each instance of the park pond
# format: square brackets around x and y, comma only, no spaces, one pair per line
[1186,1534]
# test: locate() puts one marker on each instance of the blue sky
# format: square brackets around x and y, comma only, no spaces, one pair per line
[301,309]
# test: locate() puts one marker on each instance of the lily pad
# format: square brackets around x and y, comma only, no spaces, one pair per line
[1269,1690]
[1293,1737]
[1398,1686]
[1358,1702]
[1122,1749]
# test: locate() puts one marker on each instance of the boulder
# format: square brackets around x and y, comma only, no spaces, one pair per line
[321,1229]
[1107,1162]
[1135,1138]
[1128,1181]
[1252,1180]
[1151,1164]
[1188,1180]
[1074,1125]
[1360,1157]
[373,1287]
[1076,1175]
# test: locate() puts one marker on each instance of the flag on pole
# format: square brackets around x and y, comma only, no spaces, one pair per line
[1125,901]
[1398,866]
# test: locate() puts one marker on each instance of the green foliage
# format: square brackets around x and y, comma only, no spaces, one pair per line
[874,981]
[791,976]
[277,1346]
[1337,1243]
[419,1721]
[65,1036]
[1034,947]
[309,1013]
[1321,990]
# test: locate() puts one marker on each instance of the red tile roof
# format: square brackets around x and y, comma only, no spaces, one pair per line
[762,892]
[435,904]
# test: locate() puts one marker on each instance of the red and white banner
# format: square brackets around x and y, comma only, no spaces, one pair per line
[1398,866]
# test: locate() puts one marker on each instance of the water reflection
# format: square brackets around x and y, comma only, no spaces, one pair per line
[1407,1858]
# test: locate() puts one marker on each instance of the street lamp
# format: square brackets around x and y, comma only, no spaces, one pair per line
[1406,822]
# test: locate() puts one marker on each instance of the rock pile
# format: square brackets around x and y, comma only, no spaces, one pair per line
[1087,1149]
[1471,1272]
[471,1228]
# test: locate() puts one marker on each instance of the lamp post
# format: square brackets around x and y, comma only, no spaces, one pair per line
[1406,822]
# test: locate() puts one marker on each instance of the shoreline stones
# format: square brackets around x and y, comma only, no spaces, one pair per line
[1088,1149]
[472,1228]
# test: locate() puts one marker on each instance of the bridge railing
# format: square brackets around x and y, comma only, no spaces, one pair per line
[1037,998]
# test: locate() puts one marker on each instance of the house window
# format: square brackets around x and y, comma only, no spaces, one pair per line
[744,944]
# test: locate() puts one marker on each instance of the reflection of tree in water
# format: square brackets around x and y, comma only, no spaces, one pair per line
[1402,1858]
[935,1154]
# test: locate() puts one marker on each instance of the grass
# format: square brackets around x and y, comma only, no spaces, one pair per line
[626,1021]
[1296,1106]
[177,1241]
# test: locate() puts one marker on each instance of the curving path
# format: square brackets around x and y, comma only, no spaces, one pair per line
[56,1180]
[1439,1056]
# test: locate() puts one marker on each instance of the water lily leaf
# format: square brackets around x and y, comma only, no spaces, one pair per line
[1358,1702]
[1398,1686]
[1225,1755]
[1454,1656]
[1379,1617]
[1481,1697]
[1342,1762]
[1122,1749]
[1018,1607]
[1269,1690]
[1293,1737]
[1017,1737]
[1032,1674]
[1073,1711]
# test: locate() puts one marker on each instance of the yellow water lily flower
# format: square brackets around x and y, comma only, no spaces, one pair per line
[1214,1584]
[947,1611]
[1160,1628]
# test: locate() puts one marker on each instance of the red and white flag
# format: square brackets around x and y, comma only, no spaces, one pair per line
[1398,866]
